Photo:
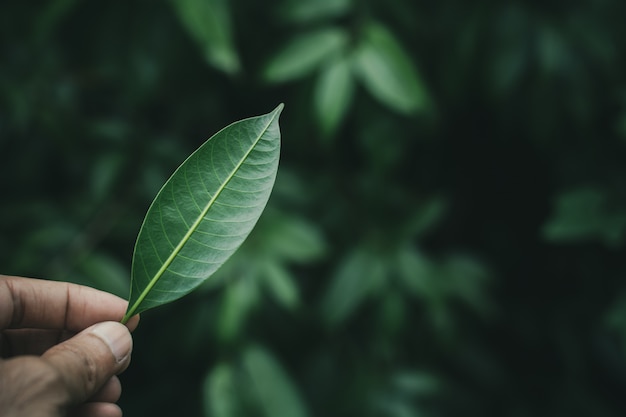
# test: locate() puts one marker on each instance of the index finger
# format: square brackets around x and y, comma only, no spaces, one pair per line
[34,303]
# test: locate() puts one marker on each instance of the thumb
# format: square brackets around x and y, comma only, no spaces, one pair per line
[90,358]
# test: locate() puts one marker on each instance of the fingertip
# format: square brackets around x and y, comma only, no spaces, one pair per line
[117,337]
[89,359]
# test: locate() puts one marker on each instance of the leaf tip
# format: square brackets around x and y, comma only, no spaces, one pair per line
[279,109]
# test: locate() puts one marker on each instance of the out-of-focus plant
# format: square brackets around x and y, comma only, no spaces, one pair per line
[446,232]
[342,55]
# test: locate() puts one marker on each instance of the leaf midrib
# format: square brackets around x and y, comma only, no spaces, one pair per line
[194,226]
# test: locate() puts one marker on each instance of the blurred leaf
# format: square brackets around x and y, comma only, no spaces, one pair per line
[281,284]
[290,186]
[438,284]
[51,16]
[209,23]
[511,49]
[464,278]
[274,389]
[220,392]
[204,211]
[426,217]
[359,275]
[388,72]
[333,94]
[300,11]
[585,214]
[105,273]
[553,50]
[152,179]
[196,332]
[415,382]
[42,246]
[304,53]
[105,172]
[241,297]
[415,270]
[392,312]
[291,238]
[111,130]
[383,138]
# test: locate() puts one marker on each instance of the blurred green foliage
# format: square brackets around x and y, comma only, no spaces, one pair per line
[446,235]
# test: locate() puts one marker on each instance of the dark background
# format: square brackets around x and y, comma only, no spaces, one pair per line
[446,234]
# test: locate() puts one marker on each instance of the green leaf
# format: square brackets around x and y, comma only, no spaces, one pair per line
[304,11]
[291,238]
[242,296]
[304,54]
[51,17]
[388,73]
[411,382]
[204,211]
[280,283]
[272,386]
[416,272]
[209,23]
[220,395]
[426,216]
[105,172]
[360,274]
[585,214]
[105,273]
[511,56]
[333,93]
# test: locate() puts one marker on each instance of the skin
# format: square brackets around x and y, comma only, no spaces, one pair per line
[61,347]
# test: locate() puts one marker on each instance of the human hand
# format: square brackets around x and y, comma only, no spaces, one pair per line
[61,347]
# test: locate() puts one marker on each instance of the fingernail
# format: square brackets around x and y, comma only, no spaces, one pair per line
[116,336]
